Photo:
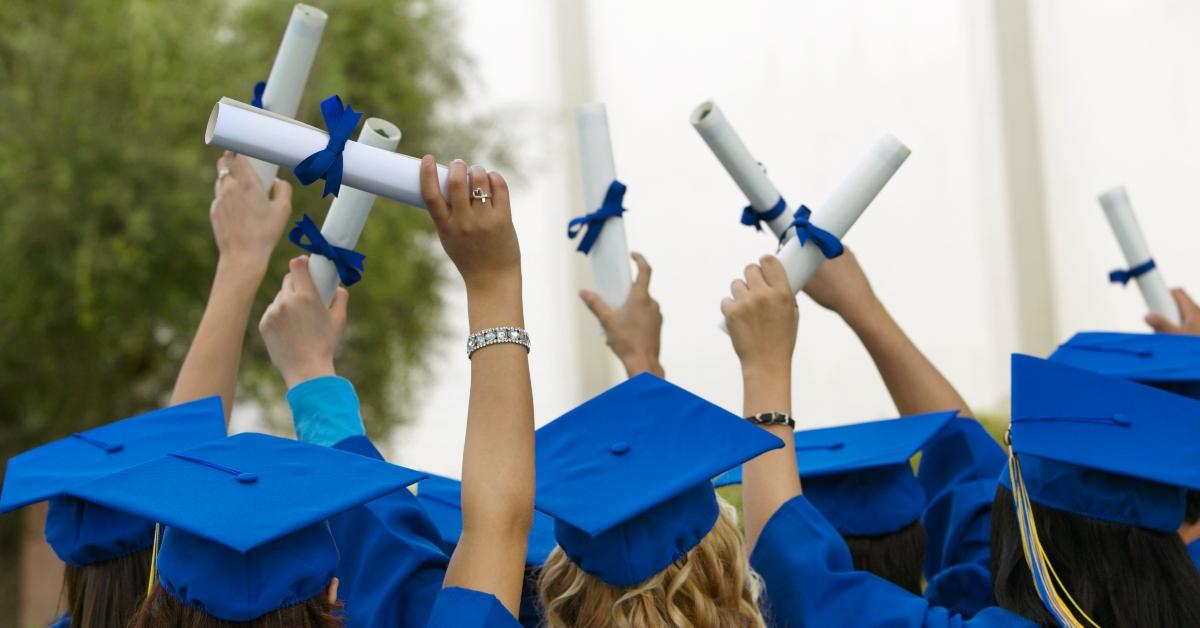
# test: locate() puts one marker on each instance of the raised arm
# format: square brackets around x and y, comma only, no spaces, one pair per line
[762,317]
[246,226]
[915,385]
[634,330]
[497,488]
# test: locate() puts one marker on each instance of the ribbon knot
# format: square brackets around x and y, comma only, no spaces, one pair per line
[326,163]
[828,243]
[259,88]
[349,262]
[594,222]
[1124,276]
[753,218]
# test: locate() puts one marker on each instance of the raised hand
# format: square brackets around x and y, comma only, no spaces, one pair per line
[302,334]
[633,331]
[762,318]
[840,285]
[246,224]
[1189,315]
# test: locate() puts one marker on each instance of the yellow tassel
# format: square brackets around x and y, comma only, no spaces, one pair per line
[1036,557]
[153,561]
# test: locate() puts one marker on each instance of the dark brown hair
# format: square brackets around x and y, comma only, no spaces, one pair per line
[1192,514]
[162,610]
[1121,575]
[106,593]
[896,557]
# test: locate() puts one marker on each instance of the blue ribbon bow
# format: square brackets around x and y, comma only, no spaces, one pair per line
[327,163]
[752,218]
[828,243]
[610,208]
[1124,276]
[349,262]
[259,88]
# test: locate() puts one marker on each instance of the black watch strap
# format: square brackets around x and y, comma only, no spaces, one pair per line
[772,418]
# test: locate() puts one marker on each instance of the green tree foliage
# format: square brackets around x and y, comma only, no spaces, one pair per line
[106,253]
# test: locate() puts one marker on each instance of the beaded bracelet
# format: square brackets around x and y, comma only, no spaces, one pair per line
[772,418]
[495,336]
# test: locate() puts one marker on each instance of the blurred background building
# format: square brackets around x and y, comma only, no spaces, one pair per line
[989,239]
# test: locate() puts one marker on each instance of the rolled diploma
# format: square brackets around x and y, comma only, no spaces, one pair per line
[286,142]
[349,211]
[1133,244]
[746,171]
[610,253]
[842,208]
[289,73]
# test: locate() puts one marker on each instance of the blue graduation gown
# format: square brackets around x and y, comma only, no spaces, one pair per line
[62,622]
[810,581]
[1194,550]
[465,608]
[959,471]
[392,564]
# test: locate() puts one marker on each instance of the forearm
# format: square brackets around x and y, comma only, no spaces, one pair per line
[211,364]
[771,479]
[498,471]
[636,365]
[916,386]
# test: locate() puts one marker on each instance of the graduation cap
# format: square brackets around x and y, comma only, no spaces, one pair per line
[859,477]
[1098,447]
[442,500]
[627,475]
[246,531]
[83,533]
[1167,361]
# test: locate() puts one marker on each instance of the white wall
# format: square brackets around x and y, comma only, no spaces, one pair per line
[1120,96]
[809,85]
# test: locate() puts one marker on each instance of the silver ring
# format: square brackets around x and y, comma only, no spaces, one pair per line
[222,173]
[481,195]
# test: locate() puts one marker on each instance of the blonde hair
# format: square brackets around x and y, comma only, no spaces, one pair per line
[712,585]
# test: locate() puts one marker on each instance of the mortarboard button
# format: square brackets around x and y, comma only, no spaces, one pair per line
[247,478]
[619,448]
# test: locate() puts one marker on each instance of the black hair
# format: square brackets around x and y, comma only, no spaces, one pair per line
[1120,575]
[896,557]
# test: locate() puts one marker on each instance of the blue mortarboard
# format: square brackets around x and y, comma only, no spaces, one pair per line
[442,500]
[1099,447]
[1167,361]
[83,533]
[1102,447]
[627,475]
[246,531]
[859,477]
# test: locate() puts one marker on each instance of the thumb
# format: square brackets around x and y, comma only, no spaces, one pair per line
[599,308]
[281,194]
[1160,324]
[302,281]
[337,307]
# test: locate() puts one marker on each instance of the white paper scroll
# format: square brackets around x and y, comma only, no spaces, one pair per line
[1133,244]
[348,213]
[610,253]
[286,142]
[746,171]
[838,212]
[289,73]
